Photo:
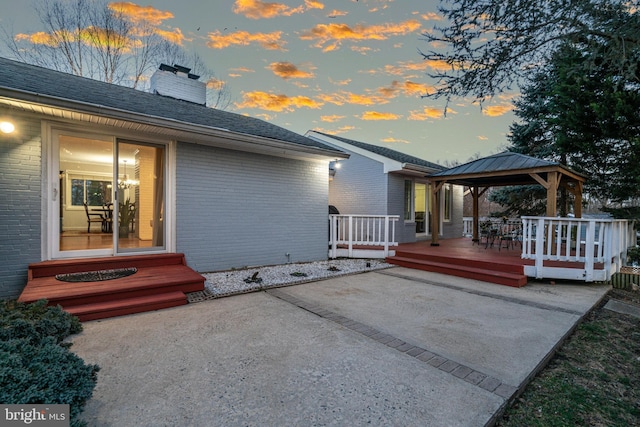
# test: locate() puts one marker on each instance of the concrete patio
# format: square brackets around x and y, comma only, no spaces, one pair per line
[392,347]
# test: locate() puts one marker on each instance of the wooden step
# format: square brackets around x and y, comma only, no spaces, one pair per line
[121,307]
[146,281]
[463,261]
[161,281]
[469,272]
[78,265]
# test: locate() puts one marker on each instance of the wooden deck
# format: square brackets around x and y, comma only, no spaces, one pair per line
[161,281]
[463,258]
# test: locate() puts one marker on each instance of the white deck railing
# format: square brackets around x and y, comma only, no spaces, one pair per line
[362,236]
[467,226]
[597,246]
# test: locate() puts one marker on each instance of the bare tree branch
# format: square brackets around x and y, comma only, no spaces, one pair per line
[490,45]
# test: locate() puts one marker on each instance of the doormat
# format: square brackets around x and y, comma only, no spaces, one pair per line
[96,276]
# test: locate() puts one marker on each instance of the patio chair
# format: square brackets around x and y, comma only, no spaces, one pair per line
[510,234]
[93,218]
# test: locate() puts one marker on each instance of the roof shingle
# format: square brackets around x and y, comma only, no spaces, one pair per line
[37,80]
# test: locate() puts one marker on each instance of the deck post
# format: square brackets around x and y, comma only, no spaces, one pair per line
[539,248]
[350,236]
[333,235]
[589,251]
[386,236]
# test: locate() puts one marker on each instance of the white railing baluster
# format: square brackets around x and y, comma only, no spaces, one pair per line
[600,245]
[353,231]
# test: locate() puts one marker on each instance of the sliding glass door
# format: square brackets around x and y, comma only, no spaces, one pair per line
[140,193]
[108,195]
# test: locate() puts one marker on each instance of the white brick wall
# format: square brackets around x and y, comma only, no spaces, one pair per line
[20,209]
[238,209]
[359,187]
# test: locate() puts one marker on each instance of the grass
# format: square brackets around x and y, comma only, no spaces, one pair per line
[594,378]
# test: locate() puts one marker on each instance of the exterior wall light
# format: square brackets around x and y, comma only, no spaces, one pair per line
[7,127]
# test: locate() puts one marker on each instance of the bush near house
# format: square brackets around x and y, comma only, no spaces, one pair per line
[36,366]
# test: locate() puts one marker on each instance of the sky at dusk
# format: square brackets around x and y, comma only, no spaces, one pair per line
[349,67]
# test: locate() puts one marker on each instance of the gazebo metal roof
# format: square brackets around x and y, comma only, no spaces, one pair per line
[505,169]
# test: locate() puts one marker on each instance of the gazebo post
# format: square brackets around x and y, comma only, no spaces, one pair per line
[577,201]
[475,194]
[552,193]
[435,212]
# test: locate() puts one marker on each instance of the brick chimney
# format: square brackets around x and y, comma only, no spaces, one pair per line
[177,82]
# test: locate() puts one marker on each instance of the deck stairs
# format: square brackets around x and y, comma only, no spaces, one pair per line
[161,281]
[492,271]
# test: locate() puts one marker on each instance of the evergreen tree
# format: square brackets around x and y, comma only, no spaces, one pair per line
[589,121]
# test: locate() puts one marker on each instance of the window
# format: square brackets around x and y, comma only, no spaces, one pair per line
[448,196]
[95,192]
[408,200]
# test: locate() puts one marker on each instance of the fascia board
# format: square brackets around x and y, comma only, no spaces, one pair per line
[389,165]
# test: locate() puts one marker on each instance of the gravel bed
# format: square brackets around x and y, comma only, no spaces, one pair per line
[252,279]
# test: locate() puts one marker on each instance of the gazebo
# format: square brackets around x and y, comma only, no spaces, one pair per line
[507,169]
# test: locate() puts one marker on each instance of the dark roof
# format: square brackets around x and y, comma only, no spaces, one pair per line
[498,162]
[506,168]
[387,152]
[49,83]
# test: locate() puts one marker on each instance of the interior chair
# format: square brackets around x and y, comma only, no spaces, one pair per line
[107,226]
[93,218]
[132,217]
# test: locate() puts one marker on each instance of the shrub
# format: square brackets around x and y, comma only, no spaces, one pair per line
[36,321]
[35,365]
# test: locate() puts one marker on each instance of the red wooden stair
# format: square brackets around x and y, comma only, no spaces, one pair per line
[493,271]
[161,281]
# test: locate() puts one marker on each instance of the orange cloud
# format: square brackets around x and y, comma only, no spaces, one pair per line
[335,13]
[426,114]
[342,129]
[287,70]
[257,9]
[497,110]
[174,36]
[403,67]
[275,102]
[329,36]
[392,140]
[41,38]
[332,118]
[340,82]
[431,16]
[408,88]
[376,115]
[342,98]
[137,13]
[215,84]
[269,41]
[101,38]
